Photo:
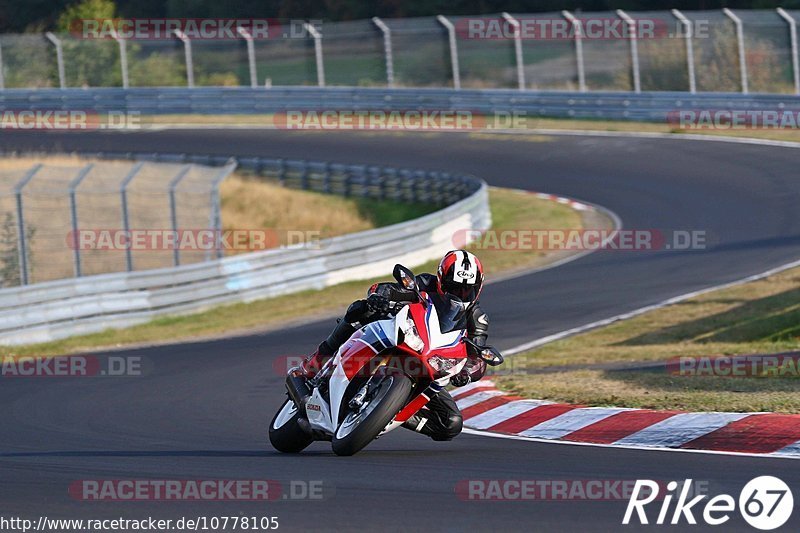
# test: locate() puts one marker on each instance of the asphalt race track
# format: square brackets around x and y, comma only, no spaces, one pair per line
[202,409]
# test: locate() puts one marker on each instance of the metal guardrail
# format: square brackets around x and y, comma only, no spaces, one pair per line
[365,181]
[57,309]
[645,106]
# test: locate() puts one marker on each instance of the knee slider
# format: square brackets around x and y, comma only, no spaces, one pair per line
[452,427]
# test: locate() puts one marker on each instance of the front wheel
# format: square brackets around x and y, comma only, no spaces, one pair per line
[360,428]
[285,433]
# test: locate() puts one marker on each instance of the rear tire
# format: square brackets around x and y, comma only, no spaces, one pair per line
[285,433]
[391,396]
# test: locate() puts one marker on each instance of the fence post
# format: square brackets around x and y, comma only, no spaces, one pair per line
[173,211]
[387,50]
[123,58]
[251,55]
[576,26]
[282,171]
[2,78]
[792,35]
[740,42]
[517,49]
[22,248]
[304,176]
[633,38]
[317,52]
[73,214]
[187,51]
[216,214]
[59,58]
[689,35]
[326,179]
[123,192]
[451,37]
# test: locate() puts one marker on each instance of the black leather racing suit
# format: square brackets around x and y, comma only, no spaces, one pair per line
[440,419]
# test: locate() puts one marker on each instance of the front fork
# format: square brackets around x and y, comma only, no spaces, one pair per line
[365,393]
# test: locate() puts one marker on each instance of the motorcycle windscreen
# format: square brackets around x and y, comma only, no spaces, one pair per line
[450,311]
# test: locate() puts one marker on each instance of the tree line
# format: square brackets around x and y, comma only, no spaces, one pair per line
[40,15]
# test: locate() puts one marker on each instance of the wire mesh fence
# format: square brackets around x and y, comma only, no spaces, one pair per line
[719,51]
[63,220]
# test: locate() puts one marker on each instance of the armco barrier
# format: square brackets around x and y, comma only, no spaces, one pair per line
[52,310]
[646,106]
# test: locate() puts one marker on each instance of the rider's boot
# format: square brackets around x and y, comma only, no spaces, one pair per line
[314,362]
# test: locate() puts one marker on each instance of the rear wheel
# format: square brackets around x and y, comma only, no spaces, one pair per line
[360,428]
[285,433]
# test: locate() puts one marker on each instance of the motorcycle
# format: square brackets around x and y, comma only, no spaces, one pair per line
[383,375]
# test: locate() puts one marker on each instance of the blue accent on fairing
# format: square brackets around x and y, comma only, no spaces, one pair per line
[380,336]
[384,338]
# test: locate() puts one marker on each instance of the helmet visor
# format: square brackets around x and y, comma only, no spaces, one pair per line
[465,292]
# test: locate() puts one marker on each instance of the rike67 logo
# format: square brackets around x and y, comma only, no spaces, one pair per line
[765,503]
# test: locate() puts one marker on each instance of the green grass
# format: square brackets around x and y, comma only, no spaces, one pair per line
[511,209]
[385,213]
[622,364]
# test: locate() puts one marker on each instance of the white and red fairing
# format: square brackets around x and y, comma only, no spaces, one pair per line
[359,354]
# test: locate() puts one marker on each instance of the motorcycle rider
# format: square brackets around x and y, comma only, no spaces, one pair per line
[460,274]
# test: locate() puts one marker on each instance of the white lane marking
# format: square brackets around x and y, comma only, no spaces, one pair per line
[790,450]
[503,413]
[680,429]
[478,398]
[482,433]
[571,421]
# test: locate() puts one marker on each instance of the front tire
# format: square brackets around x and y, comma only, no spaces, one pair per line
[285,433]
[359,429]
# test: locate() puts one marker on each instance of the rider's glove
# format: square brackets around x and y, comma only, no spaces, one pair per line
[378,304]
[461,379]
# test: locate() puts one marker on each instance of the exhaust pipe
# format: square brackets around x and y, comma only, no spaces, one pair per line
[299,391]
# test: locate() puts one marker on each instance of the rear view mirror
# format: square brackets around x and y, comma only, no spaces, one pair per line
[491,356]
[407,280]
[405,277]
